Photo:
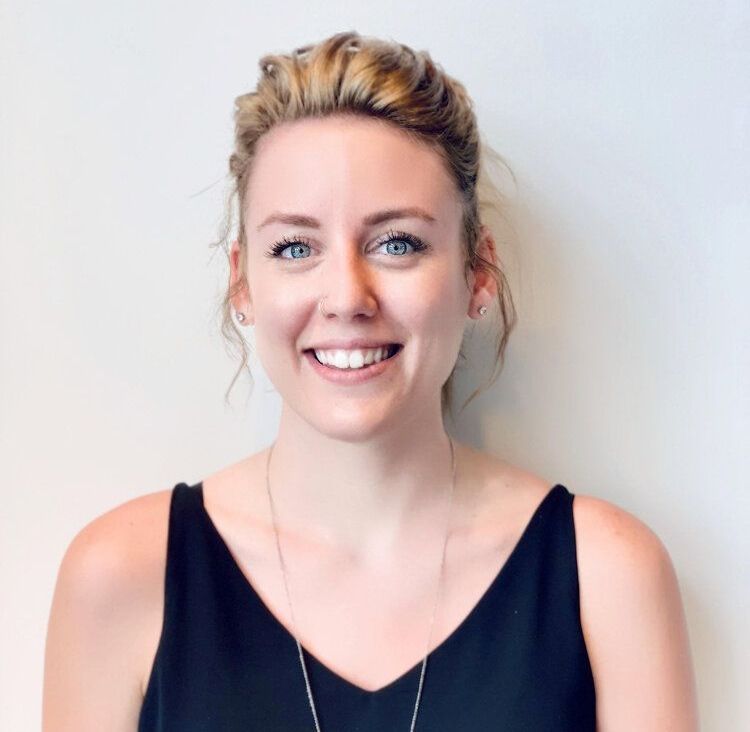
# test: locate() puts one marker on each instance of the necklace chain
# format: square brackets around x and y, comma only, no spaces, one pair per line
[434,607]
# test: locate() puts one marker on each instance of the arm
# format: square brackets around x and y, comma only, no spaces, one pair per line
[633,622]
[97,640]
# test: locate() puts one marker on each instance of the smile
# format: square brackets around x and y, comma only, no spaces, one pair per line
[356,358]
[355,367]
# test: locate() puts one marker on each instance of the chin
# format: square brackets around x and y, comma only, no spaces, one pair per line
[357,425]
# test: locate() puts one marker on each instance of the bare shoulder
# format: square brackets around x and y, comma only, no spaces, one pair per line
[633,622]
[606,532]
[105,617]
[120,552]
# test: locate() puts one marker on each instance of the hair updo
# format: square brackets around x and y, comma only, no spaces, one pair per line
[348,73]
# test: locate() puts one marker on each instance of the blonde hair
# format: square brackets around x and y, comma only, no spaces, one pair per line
[360,75]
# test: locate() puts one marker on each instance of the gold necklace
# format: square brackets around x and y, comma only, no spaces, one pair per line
[289,600]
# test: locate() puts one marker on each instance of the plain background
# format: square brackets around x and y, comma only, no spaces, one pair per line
[626,125]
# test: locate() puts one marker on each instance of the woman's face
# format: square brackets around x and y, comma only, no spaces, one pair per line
[317,192]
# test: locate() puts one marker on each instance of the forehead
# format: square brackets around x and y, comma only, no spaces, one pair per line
[346,165]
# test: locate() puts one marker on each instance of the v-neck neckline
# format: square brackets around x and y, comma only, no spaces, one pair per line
[439,649]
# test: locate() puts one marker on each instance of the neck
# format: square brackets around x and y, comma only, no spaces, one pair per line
[361,498]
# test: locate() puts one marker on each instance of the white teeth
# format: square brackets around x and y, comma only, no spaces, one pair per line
[355,359]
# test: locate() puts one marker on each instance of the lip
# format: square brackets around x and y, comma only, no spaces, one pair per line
[349,345]
[352,377]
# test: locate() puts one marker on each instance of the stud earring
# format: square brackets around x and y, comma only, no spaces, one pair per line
[482,309]
[240,316]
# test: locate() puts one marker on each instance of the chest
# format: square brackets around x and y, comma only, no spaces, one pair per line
[499,659]
[371,627]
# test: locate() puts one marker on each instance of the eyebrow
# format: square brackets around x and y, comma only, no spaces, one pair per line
[373,219]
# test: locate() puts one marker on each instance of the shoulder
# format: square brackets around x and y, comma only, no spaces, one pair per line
[106,612]
[610,538]
[633,620]
[114,553]
[623,565]
[114,570]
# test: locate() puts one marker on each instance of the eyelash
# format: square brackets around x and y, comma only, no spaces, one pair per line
[417,244]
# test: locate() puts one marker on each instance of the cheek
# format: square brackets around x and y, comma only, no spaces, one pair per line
[279,321]
[438,318]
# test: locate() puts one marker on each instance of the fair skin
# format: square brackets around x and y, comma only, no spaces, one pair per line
[359,474]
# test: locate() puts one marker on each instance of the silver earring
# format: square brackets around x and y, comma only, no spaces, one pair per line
[320,307]
[482,309]
[240,316]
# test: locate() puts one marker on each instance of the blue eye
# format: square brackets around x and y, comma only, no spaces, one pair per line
[293,244]
[402,242]
[402,238]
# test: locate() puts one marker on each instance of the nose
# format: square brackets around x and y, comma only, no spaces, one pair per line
[349,286]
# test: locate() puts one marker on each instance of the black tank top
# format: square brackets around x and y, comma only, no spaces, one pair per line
[516,663]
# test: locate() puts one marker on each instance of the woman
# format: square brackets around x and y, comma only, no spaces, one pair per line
[366,571]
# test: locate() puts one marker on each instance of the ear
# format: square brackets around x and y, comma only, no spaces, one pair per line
[241,301]
[484,288]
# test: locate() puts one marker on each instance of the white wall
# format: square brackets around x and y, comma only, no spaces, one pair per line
[627,126]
